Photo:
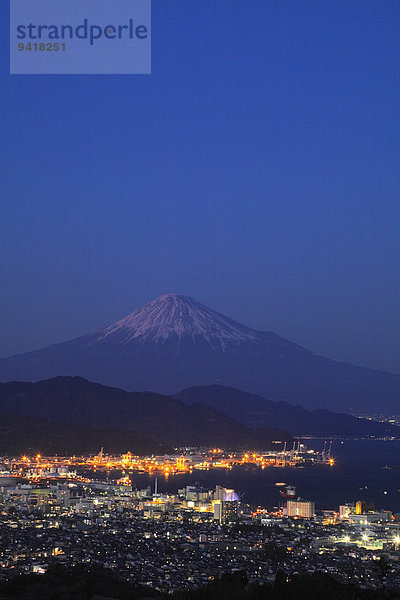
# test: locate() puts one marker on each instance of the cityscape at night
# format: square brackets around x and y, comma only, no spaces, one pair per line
[199,299]
[72,510]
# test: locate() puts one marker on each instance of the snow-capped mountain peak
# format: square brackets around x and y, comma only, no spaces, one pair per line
[173,315]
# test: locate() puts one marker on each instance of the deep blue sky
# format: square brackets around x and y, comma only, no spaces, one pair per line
[256,169]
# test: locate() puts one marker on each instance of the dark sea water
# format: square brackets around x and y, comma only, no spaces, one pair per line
[358,473]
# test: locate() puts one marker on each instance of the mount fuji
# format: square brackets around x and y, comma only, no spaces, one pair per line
[175,342]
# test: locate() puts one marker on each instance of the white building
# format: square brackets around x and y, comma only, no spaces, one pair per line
[300,508]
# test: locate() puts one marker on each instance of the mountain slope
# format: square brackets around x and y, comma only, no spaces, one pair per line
[73,400]
[180,317]
[256,411]
[30,435]
[175,342]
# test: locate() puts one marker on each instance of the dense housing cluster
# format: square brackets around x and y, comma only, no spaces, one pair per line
[186,539]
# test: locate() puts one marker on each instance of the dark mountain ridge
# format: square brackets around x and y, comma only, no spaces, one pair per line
[255,411]
[76,401]
[175,342]
[32,435]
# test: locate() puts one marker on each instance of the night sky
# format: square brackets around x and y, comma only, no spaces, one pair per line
[256,170]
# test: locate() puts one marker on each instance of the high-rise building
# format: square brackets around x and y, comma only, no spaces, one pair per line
[219,493]
[218,510]
[345,510]
[300,508]
[226,511]
[229,511]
